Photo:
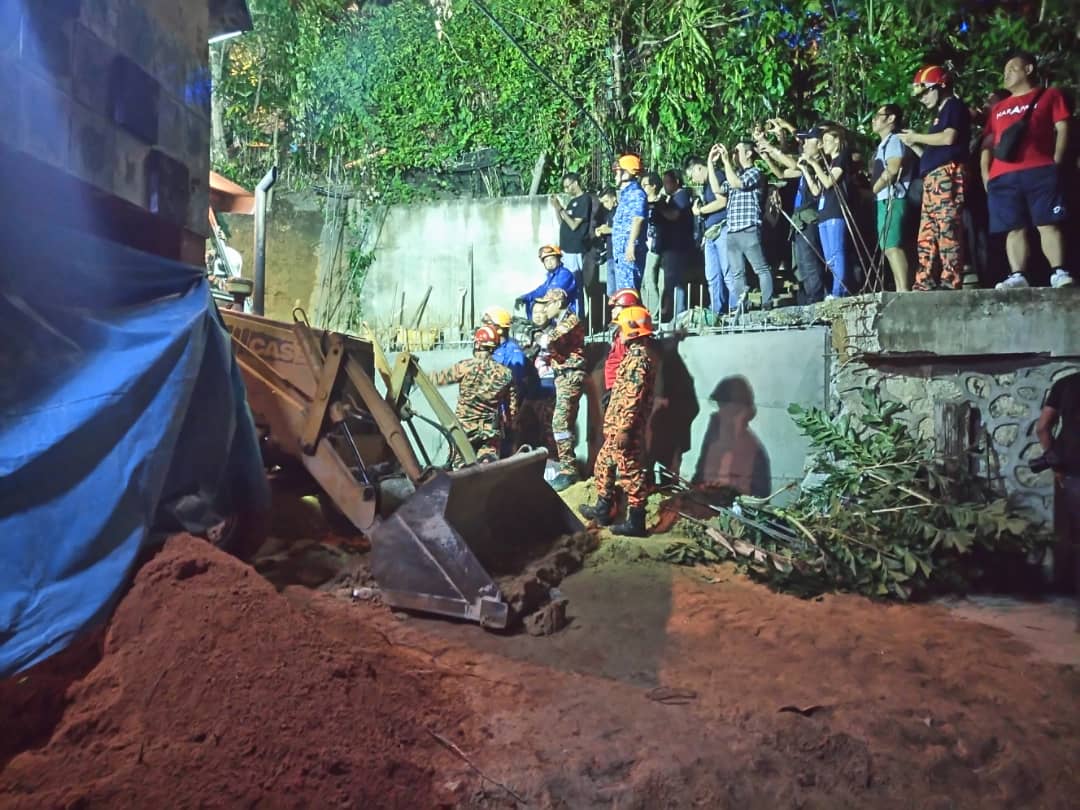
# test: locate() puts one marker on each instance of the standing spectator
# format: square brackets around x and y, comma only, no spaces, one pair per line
[712,209]
[1023,183]
[602,221]
[676,224]
[942,153]
[746,186]
[557,277]
[830,168]
[809,261]
[891,178]
[1061,410]
[574,220]
[628,225]
[650,283]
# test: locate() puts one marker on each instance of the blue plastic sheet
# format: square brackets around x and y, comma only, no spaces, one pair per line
[122,416]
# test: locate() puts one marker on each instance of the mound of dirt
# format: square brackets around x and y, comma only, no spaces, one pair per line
[214,690]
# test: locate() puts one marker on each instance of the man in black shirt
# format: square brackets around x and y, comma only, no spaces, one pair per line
[574,219]
[1062,409]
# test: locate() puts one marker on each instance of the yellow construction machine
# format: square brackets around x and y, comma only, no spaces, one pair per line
[440,538]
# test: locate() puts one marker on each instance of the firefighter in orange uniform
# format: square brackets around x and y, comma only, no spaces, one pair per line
[621,460]
[484,397]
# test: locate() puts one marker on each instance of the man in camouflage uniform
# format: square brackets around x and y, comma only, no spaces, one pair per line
[483,396]
[563,339]
[621,459]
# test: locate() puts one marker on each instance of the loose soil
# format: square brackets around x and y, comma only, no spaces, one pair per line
[669,688]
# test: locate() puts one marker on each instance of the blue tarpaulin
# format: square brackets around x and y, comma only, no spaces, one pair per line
[122,416]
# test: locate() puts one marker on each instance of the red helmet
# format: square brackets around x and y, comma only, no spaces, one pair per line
[626,297]
[549,250]
[634,322]
[486,337]
[932,76]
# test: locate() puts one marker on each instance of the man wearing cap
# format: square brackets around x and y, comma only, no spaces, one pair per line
[942,151]
[745,185]
[1025,187]
[628,226]
[563,339]
[483,397]
[711,207]
[574,219]
[557,277]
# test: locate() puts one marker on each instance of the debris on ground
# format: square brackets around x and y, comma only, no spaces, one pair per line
[878,514]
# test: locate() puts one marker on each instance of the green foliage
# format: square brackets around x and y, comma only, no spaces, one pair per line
[881,517]
[330,89]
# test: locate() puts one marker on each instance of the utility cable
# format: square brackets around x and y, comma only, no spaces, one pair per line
[543,73]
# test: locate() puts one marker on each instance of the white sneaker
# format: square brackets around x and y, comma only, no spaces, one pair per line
[1061,279]
[1013,282]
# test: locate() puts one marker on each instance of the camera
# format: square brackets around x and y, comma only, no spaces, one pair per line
[1049,460]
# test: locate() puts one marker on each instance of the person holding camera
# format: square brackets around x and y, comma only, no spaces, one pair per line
[1061,410]
[1023,157]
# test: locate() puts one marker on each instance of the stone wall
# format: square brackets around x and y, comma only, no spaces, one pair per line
[998,352]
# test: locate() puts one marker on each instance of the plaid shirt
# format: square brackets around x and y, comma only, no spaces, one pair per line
[744,204]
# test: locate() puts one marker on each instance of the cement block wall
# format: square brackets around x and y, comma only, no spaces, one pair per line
[114,93]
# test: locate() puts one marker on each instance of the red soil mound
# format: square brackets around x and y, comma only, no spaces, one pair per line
[214,690]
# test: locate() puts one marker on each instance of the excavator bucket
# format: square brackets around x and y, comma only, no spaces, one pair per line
[443,550]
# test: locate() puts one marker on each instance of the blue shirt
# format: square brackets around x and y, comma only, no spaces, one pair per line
[632,204]
[707,196]
[678,234]
[510,354]
[559,277]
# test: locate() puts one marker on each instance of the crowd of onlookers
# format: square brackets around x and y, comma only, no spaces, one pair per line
[957,203]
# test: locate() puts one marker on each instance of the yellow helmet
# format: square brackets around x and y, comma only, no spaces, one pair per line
[634,322]
[498,316]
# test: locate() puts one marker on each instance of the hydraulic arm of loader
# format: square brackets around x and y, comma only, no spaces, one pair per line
[439,550]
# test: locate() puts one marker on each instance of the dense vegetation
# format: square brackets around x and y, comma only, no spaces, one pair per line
[401,96]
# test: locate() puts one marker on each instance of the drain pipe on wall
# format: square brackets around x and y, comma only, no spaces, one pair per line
[261,191]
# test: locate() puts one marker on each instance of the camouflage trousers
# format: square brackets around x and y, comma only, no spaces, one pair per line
[533,424]
[569,386]
[941,229]
[486,450]
[622,468]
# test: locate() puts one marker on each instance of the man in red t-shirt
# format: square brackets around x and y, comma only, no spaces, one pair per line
[1027,190]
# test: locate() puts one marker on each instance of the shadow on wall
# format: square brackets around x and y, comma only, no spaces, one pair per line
[731,454]
[674,411]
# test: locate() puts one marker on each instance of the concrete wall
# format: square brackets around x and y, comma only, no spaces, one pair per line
[293,227]
[429,244]
[998,352]
[728,397]
[418,245]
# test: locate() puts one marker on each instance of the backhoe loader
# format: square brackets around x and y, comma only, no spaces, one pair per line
[439,538]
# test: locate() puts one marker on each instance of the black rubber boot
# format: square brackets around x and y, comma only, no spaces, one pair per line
[600,511]
[634,525]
